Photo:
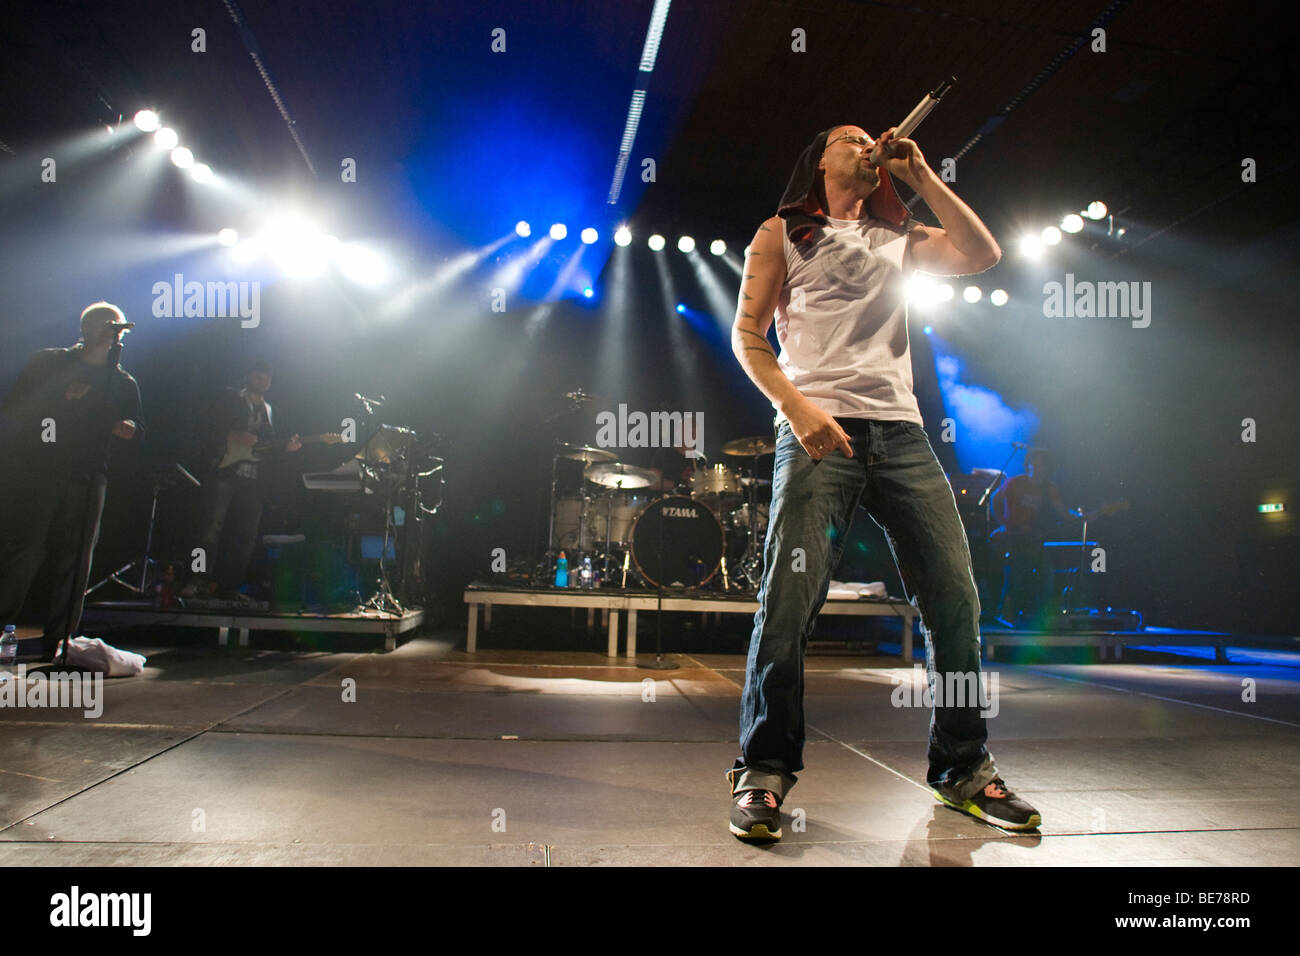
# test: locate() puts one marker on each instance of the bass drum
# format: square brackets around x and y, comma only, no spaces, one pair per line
[677,542]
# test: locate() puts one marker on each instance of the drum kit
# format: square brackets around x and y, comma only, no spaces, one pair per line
[705,532]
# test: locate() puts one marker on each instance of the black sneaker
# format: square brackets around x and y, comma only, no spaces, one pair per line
[996,804]
[756,815]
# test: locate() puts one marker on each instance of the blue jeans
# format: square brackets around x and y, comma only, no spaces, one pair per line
[894,475]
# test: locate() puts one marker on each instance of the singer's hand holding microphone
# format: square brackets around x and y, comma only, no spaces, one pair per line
[901,158]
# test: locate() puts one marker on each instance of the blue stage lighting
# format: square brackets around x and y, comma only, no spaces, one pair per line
[681,308]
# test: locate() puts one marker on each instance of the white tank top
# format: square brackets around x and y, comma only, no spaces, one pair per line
[846,350]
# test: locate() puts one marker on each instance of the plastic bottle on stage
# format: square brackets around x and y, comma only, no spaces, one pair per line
[586,575]
[8,651]
[562,572]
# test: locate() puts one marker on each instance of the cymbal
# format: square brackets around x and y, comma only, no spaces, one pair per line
[619,475]
[749,447]
[583,453]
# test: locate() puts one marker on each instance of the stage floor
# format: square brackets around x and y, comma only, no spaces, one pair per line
[537,758]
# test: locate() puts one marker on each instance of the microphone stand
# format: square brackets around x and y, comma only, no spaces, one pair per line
[114,354]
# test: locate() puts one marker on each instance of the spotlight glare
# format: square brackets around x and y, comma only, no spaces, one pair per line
[361,264]
[588,292]
[146,121]
[1051,236]
[971,293]
[681,309]
[559,231]
[182,157]
[685,244]
[623,236]
[945,292]
[928,329]
[227,237]
[717,247]
[1031,247]
[998,297]
[1120,231]
[589,235]
[655,242]
[523,230]
[921,290]
[166,138]
[1072,223]
[201,173]
[1096,210]
[298,247]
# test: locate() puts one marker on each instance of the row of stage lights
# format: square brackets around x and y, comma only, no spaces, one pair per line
[165,137]
[1032,247]
[622,237]
[297,247]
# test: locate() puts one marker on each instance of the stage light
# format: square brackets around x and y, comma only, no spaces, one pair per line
[1072,223]
[971,293]
[685,244]
[166,138]
[1120,231]
[623,236]
[1031,247]
[1051,236]
[681,309]
[944,292]
[245,252]
[1271,507]
[296,246]
[589,235]
[362,265]
[522,229]
[655,242]
[928,329]
[146,121]
[559,231]
[717,247]
[227,237]
[1096,210]
[921,289]
[998,297]
[182,157]
[201,173]
[588,292]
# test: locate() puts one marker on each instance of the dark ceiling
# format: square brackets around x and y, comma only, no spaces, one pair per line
[1157,125]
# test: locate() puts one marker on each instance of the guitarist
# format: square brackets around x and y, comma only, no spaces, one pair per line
[230,509]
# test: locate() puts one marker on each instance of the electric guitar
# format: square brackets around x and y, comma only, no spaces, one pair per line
[237,453]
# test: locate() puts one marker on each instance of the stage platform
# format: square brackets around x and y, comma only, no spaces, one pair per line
[610,601]
[560,758]
[132,614]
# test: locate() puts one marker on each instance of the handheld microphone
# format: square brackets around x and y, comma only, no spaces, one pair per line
[913,120]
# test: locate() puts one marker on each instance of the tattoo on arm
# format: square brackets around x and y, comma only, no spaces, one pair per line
[755,334]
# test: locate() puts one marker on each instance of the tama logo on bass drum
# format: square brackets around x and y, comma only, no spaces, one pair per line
[679,512]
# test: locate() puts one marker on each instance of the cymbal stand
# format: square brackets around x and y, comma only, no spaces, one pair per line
[383,600]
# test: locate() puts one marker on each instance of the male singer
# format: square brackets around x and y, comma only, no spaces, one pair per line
[831,265]
[62,414]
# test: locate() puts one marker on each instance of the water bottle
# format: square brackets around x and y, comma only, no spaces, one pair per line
[8,652]
[585,574]
[562,572]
